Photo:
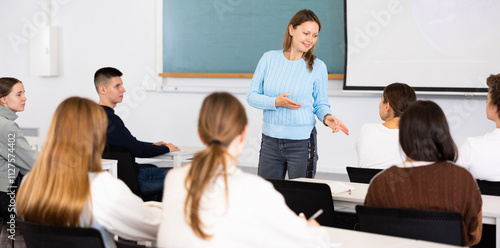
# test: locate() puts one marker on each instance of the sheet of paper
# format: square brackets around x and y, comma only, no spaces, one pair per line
[337,187]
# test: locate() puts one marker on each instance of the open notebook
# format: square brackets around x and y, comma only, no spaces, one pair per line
[338,187]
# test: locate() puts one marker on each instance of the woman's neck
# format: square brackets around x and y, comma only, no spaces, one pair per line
[392,123]
[293,55]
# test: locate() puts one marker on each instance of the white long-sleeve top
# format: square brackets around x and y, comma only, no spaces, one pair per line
[116,210]
[255,215]
[479,156]
[378,147]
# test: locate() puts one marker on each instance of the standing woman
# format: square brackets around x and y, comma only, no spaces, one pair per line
[290,86]
[16,155]
[67,186]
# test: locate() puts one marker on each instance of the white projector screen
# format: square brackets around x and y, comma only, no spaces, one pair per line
[442,46]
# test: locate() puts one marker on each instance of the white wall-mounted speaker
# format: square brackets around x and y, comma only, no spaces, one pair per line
[44,52]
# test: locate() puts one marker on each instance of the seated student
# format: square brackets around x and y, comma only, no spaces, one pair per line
[68,187]
[109,86]
[428,180]
[478,154]
[16,155]
[213,203]
[377,143]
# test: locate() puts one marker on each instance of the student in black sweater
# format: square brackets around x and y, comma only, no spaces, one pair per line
[109,86]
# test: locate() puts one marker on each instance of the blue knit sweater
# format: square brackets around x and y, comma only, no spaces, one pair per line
[275,75]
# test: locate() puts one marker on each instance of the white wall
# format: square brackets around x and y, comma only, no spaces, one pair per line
[121,34]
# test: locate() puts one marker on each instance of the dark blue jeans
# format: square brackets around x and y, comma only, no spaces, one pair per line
[151,178]
[298,157]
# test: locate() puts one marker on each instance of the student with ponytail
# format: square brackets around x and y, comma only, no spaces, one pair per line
[213,203]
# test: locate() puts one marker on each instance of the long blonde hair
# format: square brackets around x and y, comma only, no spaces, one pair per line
[300,17]
[57,190]
[222,118]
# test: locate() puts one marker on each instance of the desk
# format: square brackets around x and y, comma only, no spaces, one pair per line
[346,202]
[35,142]
[111,166]
[491,213]
[174,159]
[107,164]
[350,238]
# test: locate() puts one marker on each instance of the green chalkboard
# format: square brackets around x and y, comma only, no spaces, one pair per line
[230,36]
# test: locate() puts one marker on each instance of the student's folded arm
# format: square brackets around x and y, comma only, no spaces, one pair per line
[25,155]
[120,136]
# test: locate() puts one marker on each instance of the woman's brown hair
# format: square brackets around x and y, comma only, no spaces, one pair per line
[399,96]
[424,134]
[222,118]
[6,84]
[57,190]
[300,17]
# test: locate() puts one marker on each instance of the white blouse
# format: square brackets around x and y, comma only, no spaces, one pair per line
[378,147]
[116,210]
[253,215]
[479,156]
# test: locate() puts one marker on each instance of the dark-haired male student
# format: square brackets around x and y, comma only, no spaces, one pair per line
[109,86]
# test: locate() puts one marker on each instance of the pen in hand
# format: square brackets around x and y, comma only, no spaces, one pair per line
[315,215]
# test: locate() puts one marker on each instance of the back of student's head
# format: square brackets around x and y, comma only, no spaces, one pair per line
[399,96]
[57,189]
[103,75]
[424,134]
[6,84]
[493,82]
[222,118]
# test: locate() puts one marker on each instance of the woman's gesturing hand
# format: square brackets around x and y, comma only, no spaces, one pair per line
[335,124]
[283,101]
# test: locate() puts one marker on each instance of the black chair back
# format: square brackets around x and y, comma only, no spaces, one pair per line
[127,244]
[489,187]
[435,226]
[40,236]
[361,175]
[308,198]
[127,170]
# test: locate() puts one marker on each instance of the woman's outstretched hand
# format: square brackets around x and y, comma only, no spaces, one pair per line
[335,124]
[283,101]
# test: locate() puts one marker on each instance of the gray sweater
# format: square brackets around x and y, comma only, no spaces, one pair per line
[14,150]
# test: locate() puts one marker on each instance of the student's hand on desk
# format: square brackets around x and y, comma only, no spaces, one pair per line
[335,124]
[160,143]
[283,101]
[172,147]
